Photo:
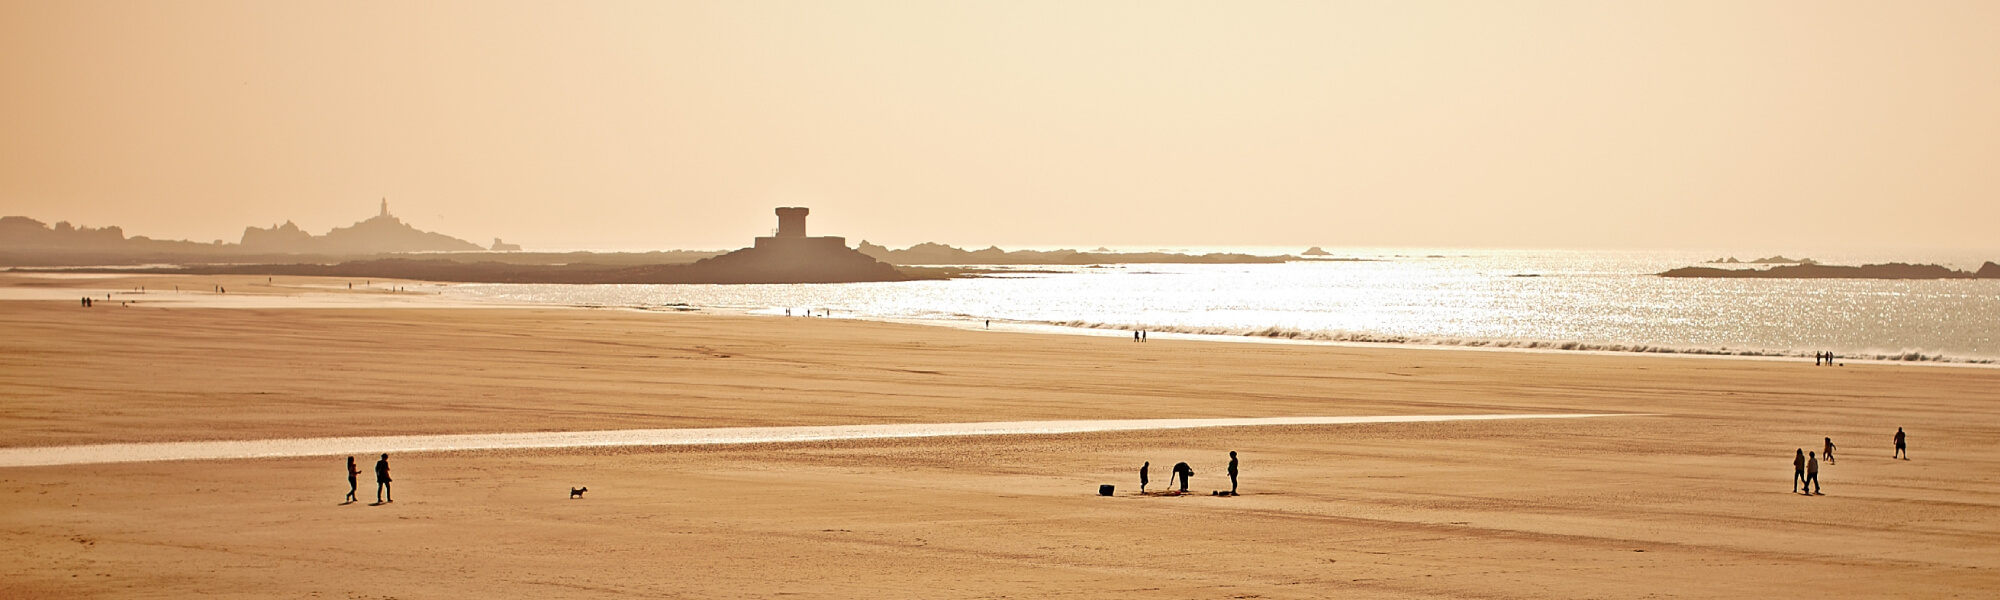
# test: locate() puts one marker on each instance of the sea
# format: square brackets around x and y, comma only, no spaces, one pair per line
[1536,300]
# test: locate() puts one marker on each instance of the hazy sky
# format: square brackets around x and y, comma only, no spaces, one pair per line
[680,125]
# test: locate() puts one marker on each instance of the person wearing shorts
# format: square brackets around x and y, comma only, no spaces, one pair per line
[353,478]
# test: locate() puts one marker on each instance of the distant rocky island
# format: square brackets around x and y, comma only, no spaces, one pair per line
[1768,260]
[939,254]
[1819,271]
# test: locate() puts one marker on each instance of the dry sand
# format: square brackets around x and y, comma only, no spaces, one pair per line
[1691,503]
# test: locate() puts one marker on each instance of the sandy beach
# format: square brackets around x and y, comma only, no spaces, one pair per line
[1687,498]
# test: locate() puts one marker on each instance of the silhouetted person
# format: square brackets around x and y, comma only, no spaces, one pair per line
[353,479]
[1232,472]
[1135,336]
[1183,471]
[1143,479]
[1798,470]
[1901,449]
[1812,474]
[382,481]
[1817,357]
[1828,453]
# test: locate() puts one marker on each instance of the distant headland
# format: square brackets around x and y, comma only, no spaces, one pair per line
[384,246]
[28,242]
[1810,270]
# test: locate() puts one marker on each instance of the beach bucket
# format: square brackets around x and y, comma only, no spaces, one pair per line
[1105,490]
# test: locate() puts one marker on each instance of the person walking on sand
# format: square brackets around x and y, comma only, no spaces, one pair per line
[1183,471]
[1143,480]
[1798,470]
[1232,472]
[353,479]
[1828,452]
[382,481]
[1901,449]
[1812,475]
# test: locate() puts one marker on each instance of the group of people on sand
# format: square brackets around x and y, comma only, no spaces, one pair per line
[1805,465]
[1823,359]
[1184,473]
[382,491]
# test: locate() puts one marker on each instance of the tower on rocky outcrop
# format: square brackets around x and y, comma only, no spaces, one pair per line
[791,234]
[385,208]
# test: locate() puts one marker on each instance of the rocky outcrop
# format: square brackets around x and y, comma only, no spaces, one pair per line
[1816,271]
[1989,271]
[382,234]
[929,253]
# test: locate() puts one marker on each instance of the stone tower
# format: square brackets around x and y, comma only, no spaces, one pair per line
[792,222]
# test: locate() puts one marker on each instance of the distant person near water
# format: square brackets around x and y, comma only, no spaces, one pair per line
[1828,452]
[1798,470]
[1135,336]
[1901,449]
[353,480]
[1232,472]
[1812,475]
[382,481]
[1143,479]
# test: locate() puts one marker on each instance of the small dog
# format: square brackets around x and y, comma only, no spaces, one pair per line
[575,493]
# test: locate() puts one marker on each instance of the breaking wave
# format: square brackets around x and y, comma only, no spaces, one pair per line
[1287,333]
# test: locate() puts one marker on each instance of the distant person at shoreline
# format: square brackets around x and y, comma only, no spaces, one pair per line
[1812,475]
[1901,449]
[382,481]
[1183,471]
[1143,479]
[1135,336]
[1232,472]
[1828,452]
[1798,470]
[353,480]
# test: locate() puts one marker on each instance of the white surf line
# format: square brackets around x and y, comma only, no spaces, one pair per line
[368,446]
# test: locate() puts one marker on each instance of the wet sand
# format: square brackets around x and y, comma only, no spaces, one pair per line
[1693,502]
[38,456]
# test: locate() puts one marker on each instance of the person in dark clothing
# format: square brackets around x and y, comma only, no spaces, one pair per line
[382,481]
[1798,470]
[1828,453]
[1901,449]
[353,479]
[1232,472]
[1812,475]
[1183,471]
[1143,480]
